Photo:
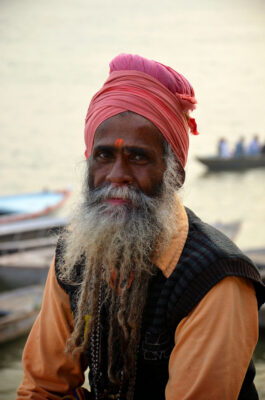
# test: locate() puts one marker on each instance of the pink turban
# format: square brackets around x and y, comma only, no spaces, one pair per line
[150,89]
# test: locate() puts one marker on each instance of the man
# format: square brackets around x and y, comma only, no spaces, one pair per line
[156,303]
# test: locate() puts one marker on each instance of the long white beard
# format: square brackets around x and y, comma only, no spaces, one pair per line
[117,245]
[128,235]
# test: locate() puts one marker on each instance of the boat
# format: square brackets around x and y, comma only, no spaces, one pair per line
[219,164]
[27,249]
[231,229]
[18,311]
[32,205]
[30,234]
[29,267]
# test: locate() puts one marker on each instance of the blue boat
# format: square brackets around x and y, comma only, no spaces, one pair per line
[33,205]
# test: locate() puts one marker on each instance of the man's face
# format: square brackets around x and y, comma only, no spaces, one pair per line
[127,151]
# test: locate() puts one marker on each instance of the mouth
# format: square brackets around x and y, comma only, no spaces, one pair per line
[117,201]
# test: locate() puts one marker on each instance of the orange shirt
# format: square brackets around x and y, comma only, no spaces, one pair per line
[213,344]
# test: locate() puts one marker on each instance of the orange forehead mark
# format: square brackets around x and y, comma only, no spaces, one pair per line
[119,142]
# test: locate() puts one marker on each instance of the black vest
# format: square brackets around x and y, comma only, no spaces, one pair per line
[208,257]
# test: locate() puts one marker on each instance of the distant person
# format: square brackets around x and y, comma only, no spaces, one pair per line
[254,147]
[158,304]
[223,149]
[240,148]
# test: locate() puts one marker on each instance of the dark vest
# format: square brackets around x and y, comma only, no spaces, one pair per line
[208,257]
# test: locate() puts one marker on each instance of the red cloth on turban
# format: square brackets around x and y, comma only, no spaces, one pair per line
[146,88]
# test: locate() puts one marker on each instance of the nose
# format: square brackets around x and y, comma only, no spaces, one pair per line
[119,174]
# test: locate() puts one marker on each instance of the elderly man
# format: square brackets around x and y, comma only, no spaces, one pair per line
[158,304]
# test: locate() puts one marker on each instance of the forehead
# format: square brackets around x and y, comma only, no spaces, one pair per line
[132,129]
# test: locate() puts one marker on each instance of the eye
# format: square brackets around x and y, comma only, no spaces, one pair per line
[103,155]
[138,157]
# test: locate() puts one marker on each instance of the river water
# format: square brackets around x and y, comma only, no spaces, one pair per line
[54,56]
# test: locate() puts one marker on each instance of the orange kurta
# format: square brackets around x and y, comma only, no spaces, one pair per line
[213,344]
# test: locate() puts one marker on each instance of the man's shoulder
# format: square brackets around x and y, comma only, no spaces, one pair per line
[212,238]
[207,258]
[213,254]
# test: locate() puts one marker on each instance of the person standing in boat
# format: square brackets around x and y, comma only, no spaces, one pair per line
[158,304]
[240,148]
[254,147]
[223,149]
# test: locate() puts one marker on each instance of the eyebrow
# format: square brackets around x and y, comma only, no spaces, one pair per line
[131,149]
[103,148]
[137,150]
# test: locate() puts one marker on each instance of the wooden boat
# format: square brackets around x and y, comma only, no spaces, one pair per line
[218,164]
[29,267]
[33,205]
[30,234]
[26,250]
[18,310]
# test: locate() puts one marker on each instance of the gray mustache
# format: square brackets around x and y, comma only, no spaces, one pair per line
[123,192]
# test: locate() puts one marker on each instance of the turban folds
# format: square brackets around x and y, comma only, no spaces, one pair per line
[133,90]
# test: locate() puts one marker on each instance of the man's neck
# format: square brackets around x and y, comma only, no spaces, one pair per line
[168,259]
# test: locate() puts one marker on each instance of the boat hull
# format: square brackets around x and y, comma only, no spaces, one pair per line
[33,205]
[218,164]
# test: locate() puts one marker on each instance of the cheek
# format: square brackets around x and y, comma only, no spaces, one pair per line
[98,178]
[150,182]
[96,175]
[156,187]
